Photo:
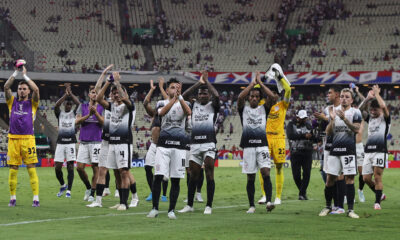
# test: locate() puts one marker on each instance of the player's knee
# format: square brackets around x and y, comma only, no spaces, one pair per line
[251,177]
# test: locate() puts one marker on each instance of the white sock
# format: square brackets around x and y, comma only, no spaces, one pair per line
[68,191]
[64,185]
[134,196]
[36,198]
[13,197]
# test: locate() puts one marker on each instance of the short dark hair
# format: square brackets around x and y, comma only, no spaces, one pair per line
[203,87]
[24,82]
[172,80]
[91,87]
[256,89]
[335,89]
[375,104]
[115,87]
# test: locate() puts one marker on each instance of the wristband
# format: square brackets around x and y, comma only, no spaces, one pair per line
[180,97]
[26,78]
[15,74]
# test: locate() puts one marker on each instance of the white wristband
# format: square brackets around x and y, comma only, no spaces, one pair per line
[26,78]
[180,97]
[15,74]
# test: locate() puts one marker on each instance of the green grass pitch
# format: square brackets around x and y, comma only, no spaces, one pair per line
[62,218]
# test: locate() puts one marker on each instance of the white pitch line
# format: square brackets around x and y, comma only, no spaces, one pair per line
[109,215]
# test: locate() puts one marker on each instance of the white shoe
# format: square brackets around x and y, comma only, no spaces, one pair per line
[87,194]
[121,207]
[324,212]
[262,200]
[186,209]
[199,198]
[251,210]
[91,199]
[377,206]
[134,202]
[171,215]
[352,214]
[115,206]
[277,201]
[153,213]
[116,194]
[361,196]
[106,192]
[208,210]
[94,204]
[338,211]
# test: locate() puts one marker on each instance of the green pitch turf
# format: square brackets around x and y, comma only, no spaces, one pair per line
[62,218]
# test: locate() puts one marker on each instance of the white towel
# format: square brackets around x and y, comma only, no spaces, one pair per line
[271,74]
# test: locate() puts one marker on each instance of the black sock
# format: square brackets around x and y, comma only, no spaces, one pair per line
[372,188]
[156,190]
[87,184]
[173,193]
[99,189]
[378,196]
[59,175]
[125,196]
[341,192]
[107,185]
[164,187]
[335,196]
[350,192]
[210,192]
[133,188]
[187,179]
[149,176]
[329,192]
[191,191]
[70,178]
[250,192]
[92,191]
[268,188]
[120,195]
[361,182]
[200,181]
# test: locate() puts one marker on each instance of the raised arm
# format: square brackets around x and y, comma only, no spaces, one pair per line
[101,78]
[147,99]
[8,84]
[70,94]
[242,96]
[211,88]
[164,110]
[186,109]
[100,96]
[286,87]
[380,100]
[190,90]
[264,88]
[360,95]
[161,86]
[59,102]
[32,85]
[121,92]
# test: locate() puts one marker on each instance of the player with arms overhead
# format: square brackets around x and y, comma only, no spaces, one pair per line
[21,138]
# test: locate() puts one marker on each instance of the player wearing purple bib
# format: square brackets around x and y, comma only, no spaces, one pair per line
[89,115]
[21,139]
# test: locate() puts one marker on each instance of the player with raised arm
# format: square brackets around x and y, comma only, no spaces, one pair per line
[66,139]
[171,154]
[90,117]
[203,139]
[376,152]
[254,140]
[21,138]
[276,132]
[120,140]
[155,133]
[343,126]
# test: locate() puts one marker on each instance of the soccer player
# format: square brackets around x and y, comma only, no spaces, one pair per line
[120,141]
[333,97]
[378,120]
[254,140]
[203,140]
[170,155]
[21,139]
[66,139]
[343,126]
[155,133]
[276,135]
[90,116]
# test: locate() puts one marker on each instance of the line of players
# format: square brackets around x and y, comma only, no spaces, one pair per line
[106,141]
[344,150]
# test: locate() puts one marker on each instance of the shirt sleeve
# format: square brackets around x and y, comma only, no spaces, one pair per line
[357,116]
[79,110]
[288,92]
[10,102]
[159,106]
